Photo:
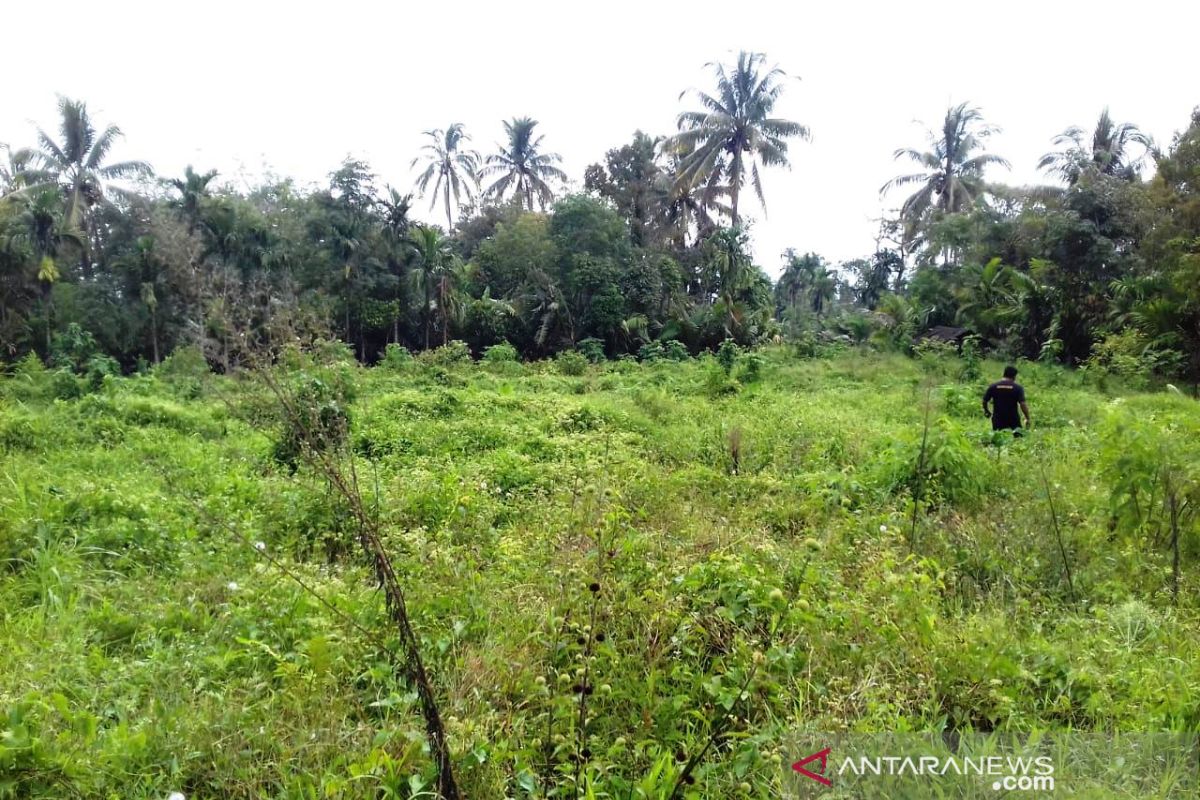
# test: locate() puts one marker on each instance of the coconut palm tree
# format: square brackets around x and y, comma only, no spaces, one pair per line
[1108,152]
[435,264]
[77,165]
[806,280]
[453,169]
[952,178]
[522,166]
[685,204]
[394,210]
[823,289]
[15,169]
[192,188]
[41,231]
[736,126]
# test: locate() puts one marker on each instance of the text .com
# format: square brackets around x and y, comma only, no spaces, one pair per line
[1024,783]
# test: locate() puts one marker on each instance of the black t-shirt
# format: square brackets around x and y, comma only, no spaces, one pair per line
[1006,395]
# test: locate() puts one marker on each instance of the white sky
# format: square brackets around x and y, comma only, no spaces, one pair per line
[295,87]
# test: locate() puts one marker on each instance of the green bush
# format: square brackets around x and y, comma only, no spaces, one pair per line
[1130,356]
[953,469]
[651,351]
[500,353]
[185,370]
[592,349]
[315,417]
[805,345]
[675,350]
[448,355]
[64,385]
[727,355]
[719,383]
[570,362]
[972,358]
[332,352]
[935,357]
[750,367]
[186,362]
[21,432]
[28,380]
[396,358]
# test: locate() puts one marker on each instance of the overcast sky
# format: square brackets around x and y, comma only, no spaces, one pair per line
[245,87]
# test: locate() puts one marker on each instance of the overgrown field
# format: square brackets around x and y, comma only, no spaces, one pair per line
[665,526]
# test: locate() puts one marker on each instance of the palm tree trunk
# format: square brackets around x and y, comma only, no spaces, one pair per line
[428,315]
[445,314]
[735,186]
[89,242]
[154,333]
[449,220]
[49,320]
[396,316]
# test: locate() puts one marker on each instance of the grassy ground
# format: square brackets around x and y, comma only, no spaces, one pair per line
[147,645]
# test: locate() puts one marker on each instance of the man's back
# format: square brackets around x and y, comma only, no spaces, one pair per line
[1006,396]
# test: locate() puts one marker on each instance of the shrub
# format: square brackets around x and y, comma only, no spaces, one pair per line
[651,351]
[805,345]
[570,362]
[718,383]
[935,357]
[76,350]
[185,371]
[592,349]
[317,418]
[675,350]
[184,362]
[330,352]
[454,352]
[961,403]
[954,469]
[19,432]
[857,326]
[1129,355]
[29,379]
[727,355]
[580,420]
[972,358]
[396,357]
[751,366]
[64,385]
[500,353]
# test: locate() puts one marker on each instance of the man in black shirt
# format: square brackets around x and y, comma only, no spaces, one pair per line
[1006,396]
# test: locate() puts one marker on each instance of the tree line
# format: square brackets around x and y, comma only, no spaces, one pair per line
[1098,266]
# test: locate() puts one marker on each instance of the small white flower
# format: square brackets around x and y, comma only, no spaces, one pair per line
[260,546]
[176,796]
[232,586]
[883,528]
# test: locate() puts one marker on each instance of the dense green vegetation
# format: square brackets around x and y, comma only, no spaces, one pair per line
[744,519]
[1097,268]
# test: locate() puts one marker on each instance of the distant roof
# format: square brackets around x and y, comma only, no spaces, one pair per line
[946,333]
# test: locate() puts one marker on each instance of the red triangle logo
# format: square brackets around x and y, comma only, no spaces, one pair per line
[823,757]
